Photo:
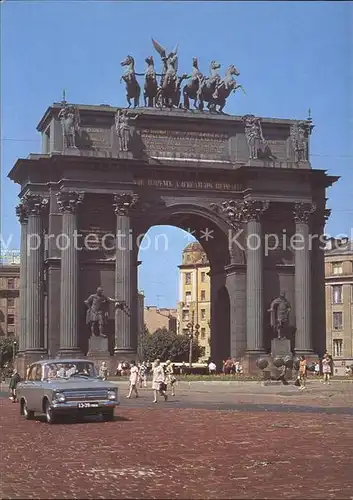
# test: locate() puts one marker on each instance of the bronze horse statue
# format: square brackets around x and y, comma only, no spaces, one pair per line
[133,89]
[224,89]
[151,86]
[191,89]
[208,87]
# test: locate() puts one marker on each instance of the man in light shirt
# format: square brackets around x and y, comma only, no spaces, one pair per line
[212,368]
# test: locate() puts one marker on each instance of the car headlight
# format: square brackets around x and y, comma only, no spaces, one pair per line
[59,397]
[111,395]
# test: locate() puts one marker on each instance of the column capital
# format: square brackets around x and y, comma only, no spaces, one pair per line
[302,212]
[124,202]
[238,211]
[22,213]
[231,211]
[253,209]
[35,204]
[68,201]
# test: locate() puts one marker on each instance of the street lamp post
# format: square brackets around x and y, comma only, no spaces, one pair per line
[192,327]
[14,345]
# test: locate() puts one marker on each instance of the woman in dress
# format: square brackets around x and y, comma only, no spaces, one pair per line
[326,368]
[170,377]
[134,375]
[302,372]
[158,381]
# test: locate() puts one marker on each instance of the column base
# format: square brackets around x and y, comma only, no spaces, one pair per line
[70,353]
[125,355]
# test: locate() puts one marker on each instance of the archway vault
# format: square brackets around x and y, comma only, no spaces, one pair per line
[206,226]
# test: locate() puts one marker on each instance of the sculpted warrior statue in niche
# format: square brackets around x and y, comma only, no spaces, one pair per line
[253,134]
[299,134]
[279,310]
[123,128]
[70,121]
[97,311]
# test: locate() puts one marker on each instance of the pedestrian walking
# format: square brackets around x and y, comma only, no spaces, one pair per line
[15,379]
[103,371]
[158,381]
[302,372]
[170,377]
[326,368]
[143,374]
[134,376]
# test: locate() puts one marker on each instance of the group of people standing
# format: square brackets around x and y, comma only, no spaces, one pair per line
[162,377]
[327,369]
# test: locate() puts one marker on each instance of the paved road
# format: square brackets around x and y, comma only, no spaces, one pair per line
[210,441]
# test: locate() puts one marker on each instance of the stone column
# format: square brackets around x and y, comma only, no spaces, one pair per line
[68,202]
[21,212]
[35,205]
[303,340]
[252,212]
[125,343]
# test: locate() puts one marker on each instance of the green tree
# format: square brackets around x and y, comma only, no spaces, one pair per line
[7,345]
[164,344]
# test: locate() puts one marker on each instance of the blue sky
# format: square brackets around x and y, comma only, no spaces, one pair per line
[291,56]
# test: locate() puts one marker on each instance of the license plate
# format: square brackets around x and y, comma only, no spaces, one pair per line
[87,405]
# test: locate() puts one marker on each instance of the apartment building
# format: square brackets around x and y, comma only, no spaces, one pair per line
[194,306]
[339,301]
[9,299]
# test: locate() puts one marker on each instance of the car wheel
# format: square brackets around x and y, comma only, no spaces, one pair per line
[108,416]
[49,413]
[28,414]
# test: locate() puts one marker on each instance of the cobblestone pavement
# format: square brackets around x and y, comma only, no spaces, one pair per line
[272,442]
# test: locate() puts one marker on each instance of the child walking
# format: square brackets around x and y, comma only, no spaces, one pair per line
[326,368]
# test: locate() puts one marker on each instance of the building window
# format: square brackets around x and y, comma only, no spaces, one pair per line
[11,283]
[10,303]
[337,268]
[203,277]
[203,333]
[337,321]
[10,319]
[337,294]
[337,347]
[203,313]
[187,297]
[185,315]
[187,278]
[203,294]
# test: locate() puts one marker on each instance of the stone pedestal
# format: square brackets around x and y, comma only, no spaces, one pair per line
[280,348]
[72,152]
[98,346]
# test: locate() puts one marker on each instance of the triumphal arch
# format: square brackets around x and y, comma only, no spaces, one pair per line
[241,184]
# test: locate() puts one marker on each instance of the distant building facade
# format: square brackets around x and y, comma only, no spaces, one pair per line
[339,301]
[156,318]
[194,307]
[9,299]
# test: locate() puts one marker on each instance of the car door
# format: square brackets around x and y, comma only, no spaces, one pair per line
[27,387]
[38,388]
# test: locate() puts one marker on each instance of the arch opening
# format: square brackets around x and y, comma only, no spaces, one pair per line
[175,275]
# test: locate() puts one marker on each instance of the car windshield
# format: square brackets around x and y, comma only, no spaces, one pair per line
[69,370]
